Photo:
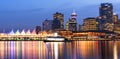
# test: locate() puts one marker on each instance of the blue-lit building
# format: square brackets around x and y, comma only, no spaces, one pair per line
[106,17]
[47,25]
[106,12]
[56,24]
[37,29]
[60,17]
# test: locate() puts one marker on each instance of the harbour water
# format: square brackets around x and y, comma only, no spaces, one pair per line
[60,50]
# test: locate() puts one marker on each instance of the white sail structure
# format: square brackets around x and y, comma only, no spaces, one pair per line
[11,32]
[28,32]
[23,32]
[34,32]
[17,32]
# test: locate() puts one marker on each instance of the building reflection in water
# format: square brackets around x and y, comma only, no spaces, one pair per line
[115,52]
[84,50]
[55,50]
[59,50]
[106,49]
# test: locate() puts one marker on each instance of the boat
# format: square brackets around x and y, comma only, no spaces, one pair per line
[55,39]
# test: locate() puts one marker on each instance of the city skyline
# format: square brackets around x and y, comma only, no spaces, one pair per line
[22,23]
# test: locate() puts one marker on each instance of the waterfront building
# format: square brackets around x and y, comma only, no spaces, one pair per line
[56,24]
[65,33]
[90,24]
[47,25]
[72,23]
[60,17]
[37,29]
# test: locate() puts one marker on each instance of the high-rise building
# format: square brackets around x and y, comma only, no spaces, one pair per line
[37,29]
[56,24]
[115,17]
[47,25]
[90,24]
[107,18]
[116,23]
[106,12]
[67,25]
[115,20]
[60,17]
[72,23]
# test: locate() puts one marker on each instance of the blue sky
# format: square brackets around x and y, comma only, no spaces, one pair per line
[19,14]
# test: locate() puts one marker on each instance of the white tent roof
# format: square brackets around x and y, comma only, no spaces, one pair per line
[28,32]
[17,32]
[23,32]
[11,32]
[34,32]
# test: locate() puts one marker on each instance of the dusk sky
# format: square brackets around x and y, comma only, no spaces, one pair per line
[24,14]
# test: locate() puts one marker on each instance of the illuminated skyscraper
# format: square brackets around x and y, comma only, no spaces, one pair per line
[106,12]
[107,18]
[72,23]
[60,17]
[47,25]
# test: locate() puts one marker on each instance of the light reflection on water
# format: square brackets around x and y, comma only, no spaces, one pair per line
[59,50]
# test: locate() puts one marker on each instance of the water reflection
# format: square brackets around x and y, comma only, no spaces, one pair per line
[59,50]
[115,51]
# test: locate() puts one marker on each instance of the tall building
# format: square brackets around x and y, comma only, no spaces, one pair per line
[67,25]
[56,24]
[37,29]
[106,12]
[47,25]
[115,20]
[60,17]
[116,23]
[117,27]
[72,23]
[107,18]
[115,17]
[90,24]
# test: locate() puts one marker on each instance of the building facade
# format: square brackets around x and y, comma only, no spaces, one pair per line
[90,24]
[47,25]
[56,25]
[37,29]
[60,17]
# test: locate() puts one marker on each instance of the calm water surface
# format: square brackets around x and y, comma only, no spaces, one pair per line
[60,50]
